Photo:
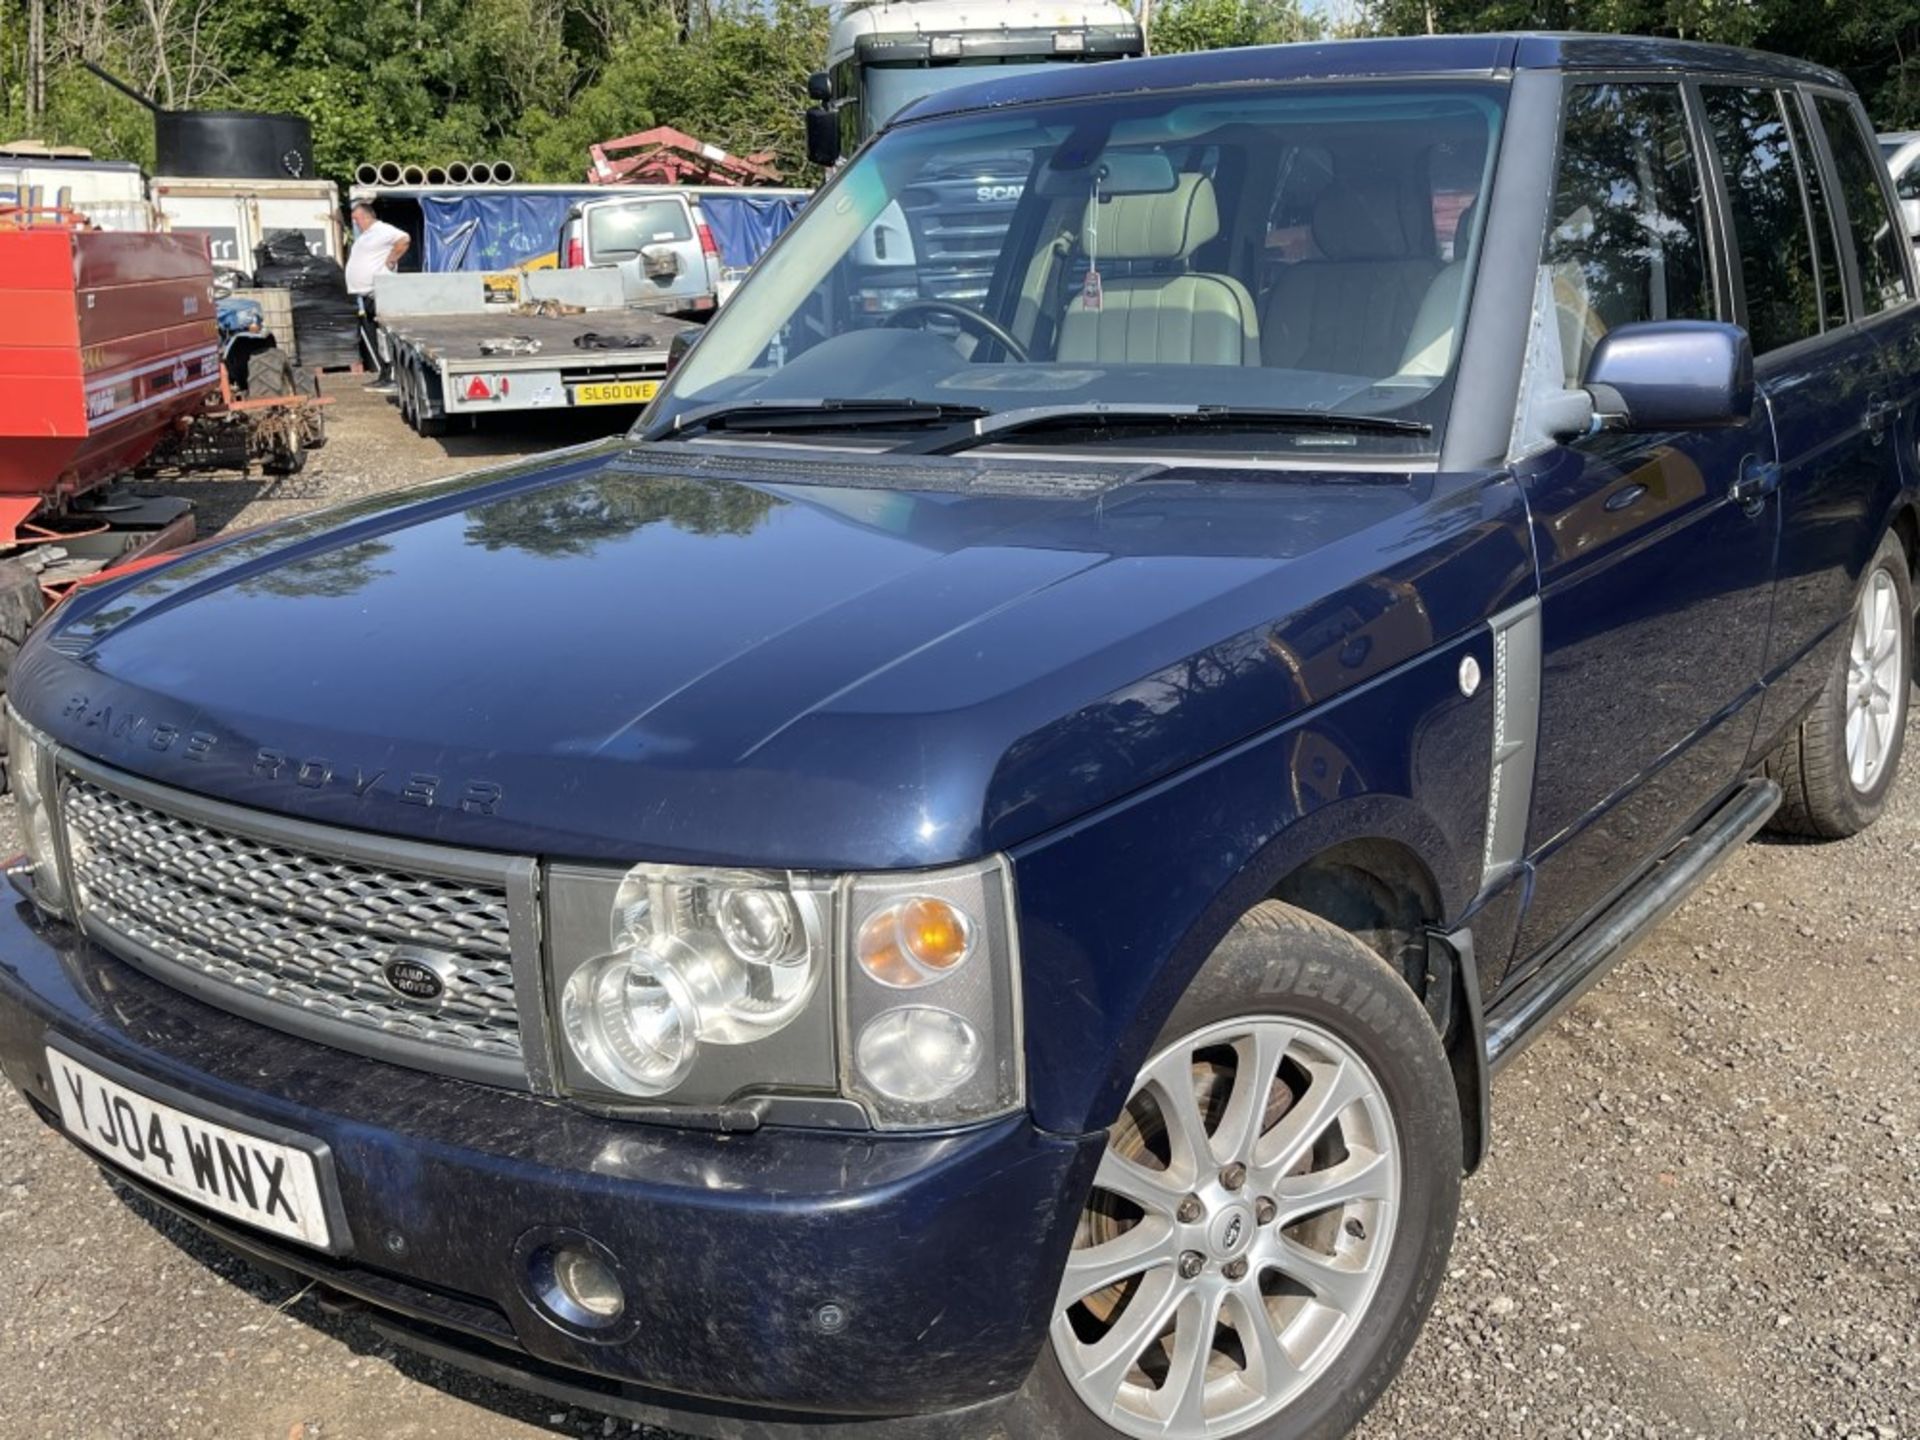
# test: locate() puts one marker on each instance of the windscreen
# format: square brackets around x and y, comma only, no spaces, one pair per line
[619,232]
[1307,248]
[891,88]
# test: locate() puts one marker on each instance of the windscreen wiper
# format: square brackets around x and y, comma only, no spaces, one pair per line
[1036,421]
[766,416]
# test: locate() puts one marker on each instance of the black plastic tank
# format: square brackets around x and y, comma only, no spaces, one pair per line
[232,145]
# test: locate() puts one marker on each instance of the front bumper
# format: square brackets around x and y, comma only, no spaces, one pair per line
[941,1252]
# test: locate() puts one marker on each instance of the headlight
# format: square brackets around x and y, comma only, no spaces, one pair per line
[666,977]
[30,767]
[707,987]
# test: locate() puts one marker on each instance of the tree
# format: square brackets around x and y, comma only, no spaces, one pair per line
[1181,25]
[1874,43]
[537,81]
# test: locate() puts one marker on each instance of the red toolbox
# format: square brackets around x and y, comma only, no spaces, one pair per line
[107,341]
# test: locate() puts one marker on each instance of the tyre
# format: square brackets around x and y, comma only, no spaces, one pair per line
[269,372]
[21,605]
[1271,1220]
[404,383]
[313,430]
[1837,767]
[428,424]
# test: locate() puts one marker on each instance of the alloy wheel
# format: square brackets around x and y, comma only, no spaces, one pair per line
[1876,680]
[1240,1222]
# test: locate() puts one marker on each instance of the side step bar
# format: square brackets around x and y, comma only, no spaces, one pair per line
[1517,1018]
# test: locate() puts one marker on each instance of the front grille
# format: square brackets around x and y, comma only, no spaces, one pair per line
[295,934]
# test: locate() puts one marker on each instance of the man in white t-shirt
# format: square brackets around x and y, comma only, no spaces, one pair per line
[377,246]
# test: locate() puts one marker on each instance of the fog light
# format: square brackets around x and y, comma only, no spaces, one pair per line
[588,1284]
[575,1282]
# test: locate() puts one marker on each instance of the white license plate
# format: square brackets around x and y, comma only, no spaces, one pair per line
[268,1185]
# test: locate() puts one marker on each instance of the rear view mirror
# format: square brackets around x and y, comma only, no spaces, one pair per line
[819,87]
[1672,375]
[823,138]
[1121,172]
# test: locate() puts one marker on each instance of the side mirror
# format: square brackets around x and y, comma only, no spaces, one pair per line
[1672,375]
[823,138]
[819,87]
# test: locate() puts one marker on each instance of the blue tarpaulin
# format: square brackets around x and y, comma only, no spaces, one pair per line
[493,230]
[504,229]
[744,225]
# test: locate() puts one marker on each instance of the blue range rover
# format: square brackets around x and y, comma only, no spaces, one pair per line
[969,878]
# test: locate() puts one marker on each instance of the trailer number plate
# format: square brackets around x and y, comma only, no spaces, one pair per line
[615,392]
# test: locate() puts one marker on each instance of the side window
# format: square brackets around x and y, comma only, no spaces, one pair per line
[1826,230]
[1907,183]
[1627,237]
[1770,227]
[1876,239]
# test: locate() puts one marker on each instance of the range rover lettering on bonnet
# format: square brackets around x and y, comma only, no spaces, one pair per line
[133,730]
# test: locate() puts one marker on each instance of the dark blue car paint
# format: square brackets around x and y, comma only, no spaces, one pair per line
[1161,698]
[911,669]
[440,1178]
[1654,617]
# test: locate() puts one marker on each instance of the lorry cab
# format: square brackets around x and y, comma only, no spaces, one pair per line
[882,55]
[937,241]
[658,240]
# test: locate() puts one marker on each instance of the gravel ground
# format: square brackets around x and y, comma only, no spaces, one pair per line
[1701,1218]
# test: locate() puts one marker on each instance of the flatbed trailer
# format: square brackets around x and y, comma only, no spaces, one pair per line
[460,356]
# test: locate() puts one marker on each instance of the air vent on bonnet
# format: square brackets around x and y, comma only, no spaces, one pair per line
[73,643]
[948,474]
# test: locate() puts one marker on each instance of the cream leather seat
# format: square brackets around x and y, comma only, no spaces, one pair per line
[1153,310]
[1429,350]
[1351,311]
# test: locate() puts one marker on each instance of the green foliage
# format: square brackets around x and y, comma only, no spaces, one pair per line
[1181,25]
[537,81]
[1875,43]
[740,81]
[428,81]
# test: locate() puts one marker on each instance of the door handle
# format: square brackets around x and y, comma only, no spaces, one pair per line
[1758,479]
[1880,414]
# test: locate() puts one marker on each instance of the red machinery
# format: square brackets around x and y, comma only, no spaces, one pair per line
[109,346]
[666,156]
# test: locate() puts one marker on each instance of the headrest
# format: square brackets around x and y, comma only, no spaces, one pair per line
[1360,222]
[1169,226]
[1463,228]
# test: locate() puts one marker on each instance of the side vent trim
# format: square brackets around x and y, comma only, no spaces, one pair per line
[1516,736]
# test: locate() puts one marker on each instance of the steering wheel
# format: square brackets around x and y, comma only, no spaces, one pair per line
[980,323]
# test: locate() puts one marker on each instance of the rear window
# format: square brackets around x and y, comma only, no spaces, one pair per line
[1771,222]
[1877,241]
[618,232]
